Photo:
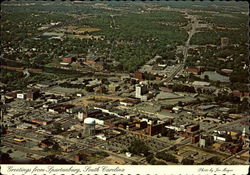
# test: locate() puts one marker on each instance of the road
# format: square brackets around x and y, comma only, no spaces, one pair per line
[180,67]
[227,124]
[234,155]
[8,143]
[23,148]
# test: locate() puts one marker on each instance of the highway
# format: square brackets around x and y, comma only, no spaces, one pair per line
[185,49]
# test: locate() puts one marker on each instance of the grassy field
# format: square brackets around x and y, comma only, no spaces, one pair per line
[84,36]
[88,29]
[225,15]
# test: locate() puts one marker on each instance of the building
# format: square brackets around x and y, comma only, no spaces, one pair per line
[155,127]
[21,95]
[74,109]
[33,94]
[177,109]
[200,83]
[240,94]
[227,71]
[41,122]
[193,128]
[89,126]
[224,41]
[193,70]
[165,89]
[140,90]
[206,107]
[80,116]
[113,87]
[205,141]
[101,136]
[195,138]
[138,75]
[68,59]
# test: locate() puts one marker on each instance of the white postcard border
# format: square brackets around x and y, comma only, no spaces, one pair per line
[42,169]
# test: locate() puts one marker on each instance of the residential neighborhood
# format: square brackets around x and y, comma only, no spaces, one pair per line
[93,97]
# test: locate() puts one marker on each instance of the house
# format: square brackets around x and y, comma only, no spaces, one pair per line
[158,78]
[227,71]
[91,59]
[241,94]
[206,107]
[68,59]
[41,122]
[138,75]
[177,109]
[113,87]
[165,89]
[193,70]
[46,143]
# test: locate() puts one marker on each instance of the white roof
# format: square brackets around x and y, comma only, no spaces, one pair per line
[89,121]
[201,83]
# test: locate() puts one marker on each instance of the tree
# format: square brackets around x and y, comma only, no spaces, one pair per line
[138,147]
[80,135]
[244,106]
[157,162]
[187,161]
[5,158]
[217,83]
[10,151]
[134,163]
[149,158]
[206,78]
[56,146]
[58,127]
[166,156]
[168,133]
[214,160]
[180,103]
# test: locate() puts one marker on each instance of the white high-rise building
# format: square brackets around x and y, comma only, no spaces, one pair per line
[140,90]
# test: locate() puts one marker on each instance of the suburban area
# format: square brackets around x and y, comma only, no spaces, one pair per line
[124,83]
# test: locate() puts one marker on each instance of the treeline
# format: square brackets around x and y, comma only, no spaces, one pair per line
[69,85]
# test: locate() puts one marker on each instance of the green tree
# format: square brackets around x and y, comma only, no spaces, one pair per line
[58,127]
[187,161]
[149,158]
[212,161]
[138,147]
[56,146]
[166,156]
[206,78]
[168,133]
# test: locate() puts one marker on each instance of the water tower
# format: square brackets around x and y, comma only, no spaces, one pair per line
[89,126]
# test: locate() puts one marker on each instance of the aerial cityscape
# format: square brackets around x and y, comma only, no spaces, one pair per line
[124,82]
